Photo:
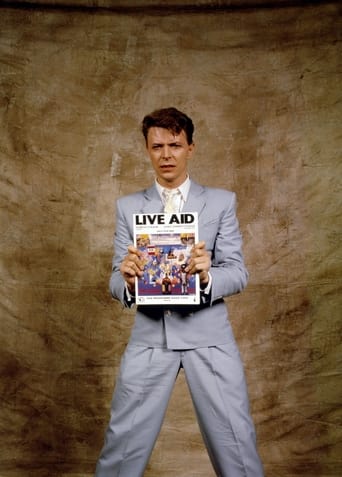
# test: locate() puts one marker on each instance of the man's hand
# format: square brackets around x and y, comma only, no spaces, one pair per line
[131,267]
[200,262]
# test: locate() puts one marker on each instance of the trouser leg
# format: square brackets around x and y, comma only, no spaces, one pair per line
[141,395]
[217,385]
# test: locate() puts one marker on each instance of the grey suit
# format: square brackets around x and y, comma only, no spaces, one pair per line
[197,338]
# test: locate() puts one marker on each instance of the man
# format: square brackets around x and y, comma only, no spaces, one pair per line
[197,338]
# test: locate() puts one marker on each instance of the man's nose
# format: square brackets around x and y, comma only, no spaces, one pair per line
[166,152]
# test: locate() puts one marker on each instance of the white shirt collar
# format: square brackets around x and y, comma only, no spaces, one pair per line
[183,188]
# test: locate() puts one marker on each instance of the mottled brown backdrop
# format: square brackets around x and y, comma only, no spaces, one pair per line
[263,86]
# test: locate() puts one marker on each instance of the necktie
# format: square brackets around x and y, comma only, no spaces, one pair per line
[172,200]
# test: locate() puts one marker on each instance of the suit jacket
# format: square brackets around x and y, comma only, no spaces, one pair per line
[186,326]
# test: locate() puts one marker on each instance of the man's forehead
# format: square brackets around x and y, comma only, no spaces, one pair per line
[163,134]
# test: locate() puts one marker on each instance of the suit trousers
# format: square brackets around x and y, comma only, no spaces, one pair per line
[217,386]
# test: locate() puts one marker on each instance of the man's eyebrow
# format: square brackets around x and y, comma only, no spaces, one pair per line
[172,143]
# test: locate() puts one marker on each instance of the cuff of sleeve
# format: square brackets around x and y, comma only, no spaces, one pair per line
[207,289]
[129,297]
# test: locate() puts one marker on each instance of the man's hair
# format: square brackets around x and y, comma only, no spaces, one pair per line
[171,119]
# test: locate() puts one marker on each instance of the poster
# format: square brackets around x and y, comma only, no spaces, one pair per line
[165,242]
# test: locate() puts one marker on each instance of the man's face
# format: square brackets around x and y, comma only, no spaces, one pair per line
[169,154]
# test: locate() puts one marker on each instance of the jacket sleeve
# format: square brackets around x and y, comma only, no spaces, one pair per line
[122,239]
[229,274]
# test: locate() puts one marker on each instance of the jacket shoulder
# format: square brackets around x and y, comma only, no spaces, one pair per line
[134,198]
[219,194]
[211,191]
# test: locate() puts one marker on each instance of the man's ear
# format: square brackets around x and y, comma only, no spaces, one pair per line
[191,149]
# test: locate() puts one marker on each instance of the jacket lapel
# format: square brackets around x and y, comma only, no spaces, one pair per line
[196,199]
[152,201]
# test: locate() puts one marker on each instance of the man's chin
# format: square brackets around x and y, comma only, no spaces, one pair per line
[167,176]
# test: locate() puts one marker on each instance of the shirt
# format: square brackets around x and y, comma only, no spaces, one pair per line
[183,189]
